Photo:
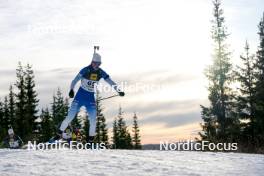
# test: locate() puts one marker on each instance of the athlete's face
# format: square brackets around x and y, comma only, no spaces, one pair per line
[96,65]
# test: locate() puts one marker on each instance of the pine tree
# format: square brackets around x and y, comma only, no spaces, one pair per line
[76,122]
[31,98]
[11,106]
[219,119]
[6,119]
[104,131]
[2,126]
[22,124]
[115,133]
[101,128]
[136,136]
[245,100]
[260,86]
[97,138]
[47,126]
[129,144]
[86,128]
[59,108]
[123,138]
[121,131]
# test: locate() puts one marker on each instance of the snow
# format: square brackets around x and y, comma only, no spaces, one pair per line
[127,162]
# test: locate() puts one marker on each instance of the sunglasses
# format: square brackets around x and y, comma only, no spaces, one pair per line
[97,63]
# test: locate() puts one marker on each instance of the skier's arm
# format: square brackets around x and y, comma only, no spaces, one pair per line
[114,85]
[75,80]
[111,82]
[73,83]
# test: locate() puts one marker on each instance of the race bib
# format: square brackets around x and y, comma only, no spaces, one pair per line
[88,85]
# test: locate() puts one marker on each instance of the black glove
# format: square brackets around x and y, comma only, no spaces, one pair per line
[121,94]
[71,93]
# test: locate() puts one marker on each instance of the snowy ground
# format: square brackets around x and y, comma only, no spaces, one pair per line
[125,162]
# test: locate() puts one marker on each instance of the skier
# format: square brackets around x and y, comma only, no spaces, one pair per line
[12,141]
[67,134]
[89,77]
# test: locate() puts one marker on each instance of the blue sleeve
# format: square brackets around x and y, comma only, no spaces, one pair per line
[83,71]
[104,74]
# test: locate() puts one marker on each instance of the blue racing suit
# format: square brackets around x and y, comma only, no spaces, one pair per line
[85,96]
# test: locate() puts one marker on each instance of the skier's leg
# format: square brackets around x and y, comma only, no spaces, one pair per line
[90,107]
[75,106]
[71,114]
[91,110]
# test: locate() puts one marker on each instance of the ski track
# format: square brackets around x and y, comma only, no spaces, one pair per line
[127,162]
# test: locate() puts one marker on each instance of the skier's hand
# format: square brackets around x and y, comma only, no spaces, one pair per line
[71,93]
[121,93]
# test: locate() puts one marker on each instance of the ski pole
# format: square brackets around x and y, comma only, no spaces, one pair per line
[108,97]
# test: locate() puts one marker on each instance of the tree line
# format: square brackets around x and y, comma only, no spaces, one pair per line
[236,92]
[19,111]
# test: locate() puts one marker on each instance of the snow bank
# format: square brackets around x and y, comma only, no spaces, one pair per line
[127,162]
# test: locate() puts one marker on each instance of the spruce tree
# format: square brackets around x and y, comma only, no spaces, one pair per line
[104,131]
[97,138]
[246,103]
[101,128]
[219,118]
[115,133]
[11,106]
[123,137]
[76,122]
[136,136]
[22,125]
[47,126]
[260,86]
[2,126]
[6,119]
[129,143]
[31,98]
[86,128]
[59,108]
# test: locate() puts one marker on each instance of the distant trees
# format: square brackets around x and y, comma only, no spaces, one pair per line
[7,113]
[122,138]
[51,119]
[234,115]
[26,102]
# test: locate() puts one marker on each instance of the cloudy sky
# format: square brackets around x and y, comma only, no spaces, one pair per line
[162,44]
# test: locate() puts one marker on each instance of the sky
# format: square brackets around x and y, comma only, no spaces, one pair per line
[159,46]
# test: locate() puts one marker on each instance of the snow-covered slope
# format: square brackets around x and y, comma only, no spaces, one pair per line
[127,162]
